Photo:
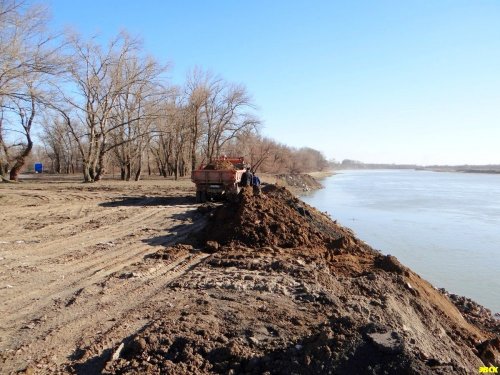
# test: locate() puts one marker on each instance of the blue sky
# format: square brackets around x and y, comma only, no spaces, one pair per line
[377,81]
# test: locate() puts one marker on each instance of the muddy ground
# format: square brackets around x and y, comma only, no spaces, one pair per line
[136,278]
[66,250]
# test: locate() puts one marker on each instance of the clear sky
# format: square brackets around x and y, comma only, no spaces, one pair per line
[377,81]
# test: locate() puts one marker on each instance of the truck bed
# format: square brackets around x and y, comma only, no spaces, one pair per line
[224,177]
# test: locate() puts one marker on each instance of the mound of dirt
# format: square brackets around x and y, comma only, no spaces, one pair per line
[219,164]
[276,218]
[299,181]
[287,290]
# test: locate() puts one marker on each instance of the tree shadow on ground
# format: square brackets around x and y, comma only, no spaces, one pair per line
[144,201]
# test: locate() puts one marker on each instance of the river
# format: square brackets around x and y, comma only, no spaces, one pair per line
[444,226]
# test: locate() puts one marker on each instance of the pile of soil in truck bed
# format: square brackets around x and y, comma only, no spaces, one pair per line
[219,164]
[285,290]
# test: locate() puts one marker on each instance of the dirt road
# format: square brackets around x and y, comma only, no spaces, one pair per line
[67,254]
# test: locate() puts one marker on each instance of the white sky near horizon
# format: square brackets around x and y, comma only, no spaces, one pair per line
[376,81]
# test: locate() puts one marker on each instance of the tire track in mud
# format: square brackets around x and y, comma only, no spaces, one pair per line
[48,254]
[55,299]
[91,269]
[155,284]
[104,318]
[11,218]
[93,236]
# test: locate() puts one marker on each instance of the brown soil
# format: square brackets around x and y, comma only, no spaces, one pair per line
[117,282]
[73,267]
[220,164]
[288,291]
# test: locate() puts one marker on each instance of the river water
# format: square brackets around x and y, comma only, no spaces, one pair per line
[444,226]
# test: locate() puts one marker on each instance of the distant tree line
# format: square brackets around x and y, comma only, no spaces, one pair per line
[102,107]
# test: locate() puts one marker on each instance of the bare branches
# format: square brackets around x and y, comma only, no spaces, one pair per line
[27,51]
[110,105]
[117,91]
[219,110]
[29,56]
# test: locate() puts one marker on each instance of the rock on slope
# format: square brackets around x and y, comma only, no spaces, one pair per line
[286,290]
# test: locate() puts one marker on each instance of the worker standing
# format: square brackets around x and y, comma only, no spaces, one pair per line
[247,178]
[256,185]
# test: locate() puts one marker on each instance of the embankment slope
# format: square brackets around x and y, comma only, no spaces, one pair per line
[286,290]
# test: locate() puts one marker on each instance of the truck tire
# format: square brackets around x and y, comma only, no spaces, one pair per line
[203,196]
[198,197]
[233,194]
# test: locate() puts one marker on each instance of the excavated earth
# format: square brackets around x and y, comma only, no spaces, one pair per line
[262,285]
[286,290]
[219,164]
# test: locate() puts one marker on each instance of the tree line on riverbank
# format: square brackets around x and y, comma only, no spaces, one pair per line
[96,106]
[466,168]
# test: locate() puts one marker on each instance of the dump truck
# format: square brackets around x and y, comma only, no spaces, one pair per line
[218,179]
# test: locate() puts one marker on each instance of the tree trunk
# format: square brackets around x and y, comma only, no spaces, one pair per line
[193,156]
[100,170]
[4,152]
[138,173]
[4,168]
[149,165]
[26,123]
[91,172]
[194,141]
[87,176]
[20,161]
[128,173]
[139,168]
[57,163]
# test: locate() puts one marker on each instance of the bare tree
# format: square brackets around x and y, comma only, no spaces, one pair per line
[28,54]
[180,145]
[197,93]
[171,144]
[227,114]
[267,155]
[59,145]
[4,148]
[105,79]
[26,111]
[137,107]
[26,49]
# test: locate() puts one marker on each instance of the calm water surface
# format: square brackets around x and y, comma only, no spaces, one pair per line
[444,226]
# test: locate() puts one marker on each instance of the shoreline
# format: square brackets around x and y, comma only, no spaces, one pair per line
[369,212]
[272,283]
[299,183]
[388,312]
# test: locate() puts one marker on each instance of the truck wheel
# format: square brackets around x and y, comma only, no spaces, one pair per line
[203,196]
[198,197]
